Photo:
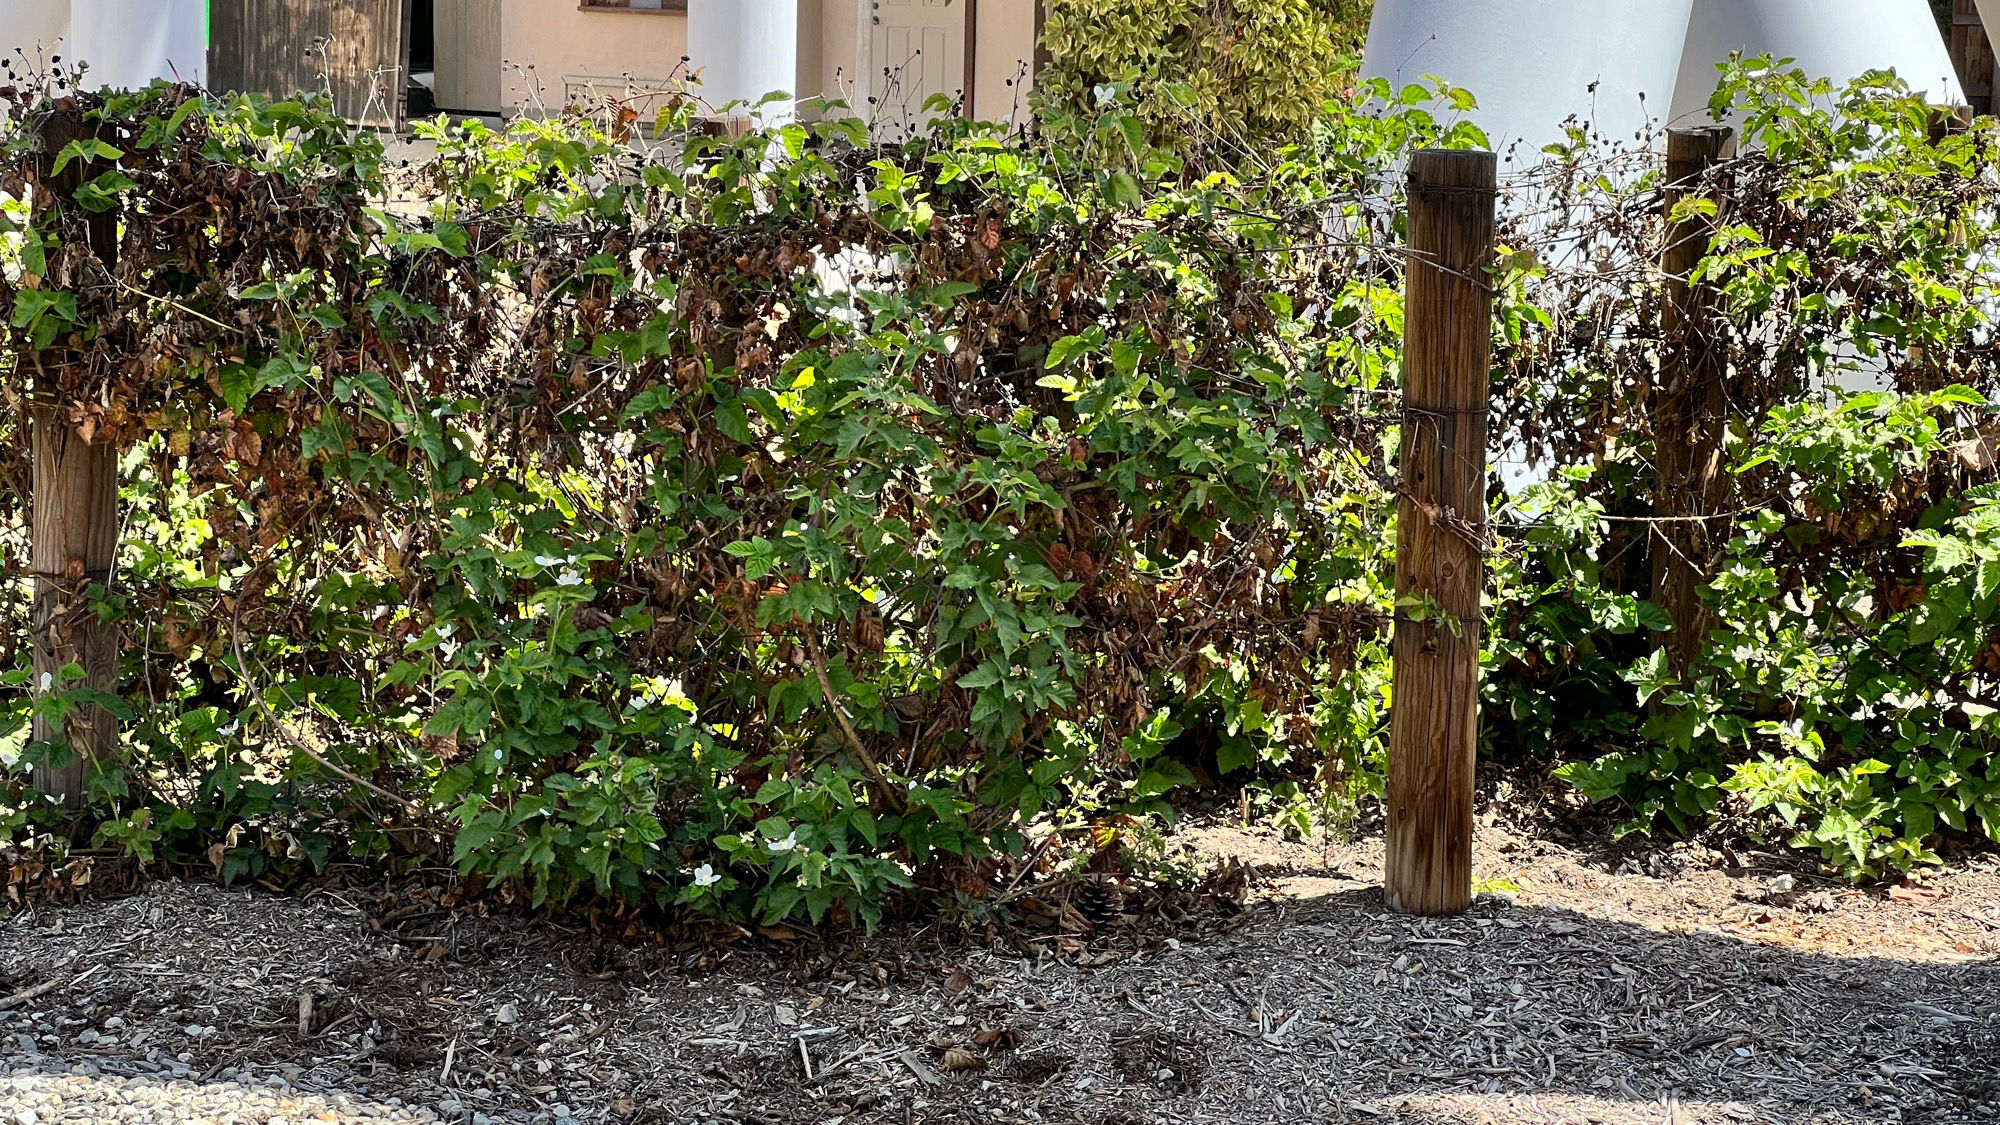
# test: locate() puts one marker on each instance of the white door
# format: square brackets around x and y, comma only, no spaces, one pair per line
[916,50]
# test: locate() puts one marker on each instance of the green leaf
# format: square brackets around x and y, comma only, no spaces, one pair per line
[1122,189]
[90,148]
[985,676]
[943,295]
[1160,776]
[734,424]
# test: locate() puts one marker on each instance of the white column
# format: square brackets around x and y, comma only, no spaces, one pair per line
[129,43]
[1535,63]
[1837,39]
[744,50]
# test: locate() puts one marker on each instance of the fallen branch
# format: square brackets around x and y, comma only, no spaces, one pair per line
[27,994]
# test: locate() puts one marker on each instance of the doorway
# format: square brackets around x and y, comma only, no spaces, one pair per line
[914,50]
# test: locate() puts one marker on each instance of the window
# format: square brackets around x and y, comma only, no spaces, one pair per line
[634,5]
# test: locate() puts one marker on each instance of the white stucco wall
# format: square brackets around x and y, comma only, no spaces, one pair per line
[1005,52]
[543,42]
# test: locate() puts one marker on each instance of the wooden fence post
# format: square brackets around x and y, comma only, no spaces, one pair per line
[1690,401]
[73,525]
[1950,121]
[1441,532]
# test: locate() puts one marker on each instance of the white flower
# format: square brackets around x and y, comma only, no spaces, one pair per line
[446,630]
[448,648]
[48,680]
[1105,94]
[705,876]
[546,560]
[569,577]
[780,847]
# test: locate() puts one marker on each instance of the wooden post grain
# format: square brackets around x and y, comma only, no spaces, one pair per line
[1441,532]
[1690,400]
[73,525]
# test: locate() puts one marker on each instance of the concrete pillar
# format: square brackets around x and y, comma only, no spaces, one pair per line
[744,50]
[1837,39]
[129,43]
[1533,64]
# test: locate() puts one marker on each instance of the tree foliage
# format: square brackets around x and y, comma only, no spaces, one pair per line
[1238,74]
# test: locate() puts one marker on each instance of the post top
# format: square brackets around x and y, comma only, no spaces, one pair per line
[1455,170]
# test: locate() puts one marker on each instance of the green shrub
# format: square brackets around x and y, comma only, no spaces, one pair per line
[589,509]
[1840,698]
[785,525]
[1243,75]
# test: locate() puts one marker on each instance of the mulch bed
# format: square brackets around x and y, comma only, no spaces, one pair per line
[1689,994]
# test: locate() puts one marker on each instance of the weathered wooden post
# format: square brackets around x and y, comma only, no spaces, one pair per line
[74,521]
[1441,532]
[1690,399]
[1950,121]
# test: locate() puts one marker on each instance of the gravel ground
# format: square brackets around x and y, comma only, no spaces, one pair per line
[1588,994]
[113,1094]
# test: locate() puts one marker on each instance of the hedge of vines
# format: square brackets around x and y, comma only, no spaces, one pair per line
[1845,699]
[767,523]
[790,526]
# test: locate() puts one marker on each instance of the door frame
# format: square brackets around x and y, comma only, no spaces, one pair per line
[864,50]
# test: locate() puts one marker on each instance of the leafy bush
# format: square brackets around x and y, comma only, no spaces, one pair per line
[1843,685]
[770,525]
[784,524]
[1243,75]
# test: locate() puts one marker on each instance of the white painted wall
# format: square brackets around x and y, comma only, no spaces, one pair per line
[1003,68]
[1533,64]
[1837,39]
[545,42]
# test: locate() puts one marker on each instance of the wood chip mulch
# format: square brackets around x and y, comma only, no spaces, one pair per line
[1577,994]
